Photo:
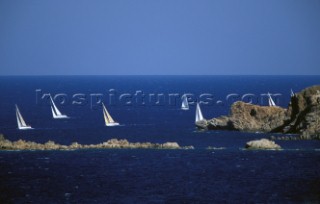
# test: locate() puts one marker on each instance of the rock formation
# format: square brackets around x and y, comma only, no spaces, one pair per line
[250,118]
[301,117]
[304,110]
[112,143]
[262,144]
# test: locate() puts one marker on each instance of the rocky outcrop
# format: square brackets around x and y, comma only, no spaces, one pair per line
[304,109]
[250,118]
[301,117]
[112,143]
[262,144]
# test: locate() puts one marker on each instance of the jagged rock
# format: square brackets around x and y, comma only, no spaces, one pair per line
[250,118]
[262,144]
[302,116]
[305,114]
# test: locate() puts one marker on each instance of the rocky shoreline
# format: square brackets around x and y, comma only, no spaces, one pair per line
[302,117]
[110,144]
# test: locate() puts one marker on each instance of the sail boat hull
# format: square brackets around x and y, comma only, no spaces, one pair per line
[108,119]
[25,128]
[202,124]
[199,116]
[271,102]
[60,116]
[56,114]
[21,123]
[185,104]
[112,124]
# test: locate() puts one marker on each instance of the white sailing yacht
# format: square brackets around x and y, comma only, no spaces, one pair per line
[21,123]
[107,118]
[271,102]
[292,94]
[199,116]
[185,104]
[56,114]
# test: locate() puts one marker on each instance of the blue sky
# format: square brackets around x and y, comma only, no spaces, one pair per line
[209,37]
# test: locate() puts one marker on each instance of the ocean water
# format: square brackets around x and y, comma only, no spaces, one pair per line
[229,175]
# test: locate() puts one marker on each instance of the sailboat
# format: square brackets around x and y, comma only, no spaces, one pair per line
[21,123]
[271,102]
[292,94]
[199,116]
[185,104]
[107,118]
[56,114]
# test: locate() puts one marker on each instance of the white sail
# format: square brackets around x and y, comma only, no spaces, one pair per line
[271,102]
[107,117]
[56,114]
[21,123]
[292,94]
[185,104]
[199,115]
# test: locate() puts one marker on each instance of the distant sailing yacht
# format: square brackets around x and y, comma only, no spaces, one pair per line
[185,104]
[21,123]
[271,102]
[292,94]
[56,114]
[199,116]
[107,118]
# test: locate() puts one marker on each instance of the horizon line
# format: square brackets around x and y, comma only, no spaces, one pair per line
[46,75]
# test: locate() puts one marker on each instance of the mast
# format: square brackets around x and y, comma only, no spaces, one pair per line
[271,102]
[20,119]
[107,117]
[185,105]
[199,115]
[21,123]
[292,94]
[55,110]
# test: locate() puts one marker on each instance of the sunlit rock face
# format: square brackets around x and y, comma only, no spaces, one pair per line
[301,117]
[262,144]
[110,144]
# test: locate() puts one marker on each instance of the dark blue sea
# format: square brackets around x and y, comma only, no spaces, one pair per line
[148,109]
